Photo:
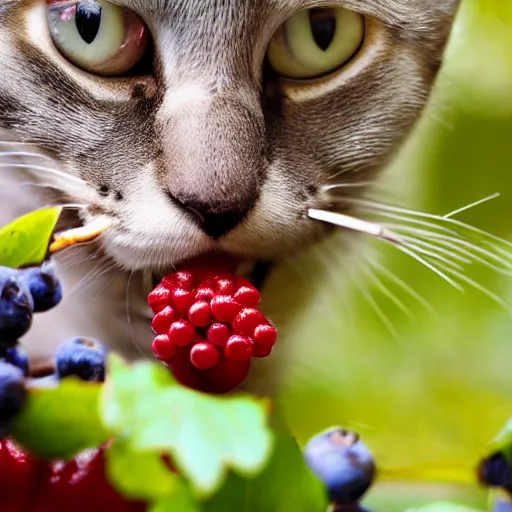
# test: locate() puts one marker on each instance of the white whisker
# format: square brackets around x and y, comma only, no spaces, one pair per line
[402,284]
[354,224]
[131,330]
[375,279]
[378,310]
[479,287]
[432,254]
[452,222]
[472,205]
[430,266]
[44,169]
[27,154]
[455,244]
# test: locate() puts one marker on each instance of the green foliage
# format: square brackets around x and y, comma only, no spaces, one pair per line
[443,506]
[25,241]
[59,422]
[204,435]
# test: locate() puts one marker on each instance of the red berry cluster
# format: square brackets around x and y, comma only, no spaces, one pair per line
[208,328]
[80,485]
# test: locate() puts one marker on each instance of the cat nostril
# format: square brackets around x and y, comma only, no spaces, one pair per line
[214,223]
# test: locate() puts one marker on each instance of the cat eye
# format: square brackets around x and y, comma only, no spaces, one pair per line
[316,42]
[98,36]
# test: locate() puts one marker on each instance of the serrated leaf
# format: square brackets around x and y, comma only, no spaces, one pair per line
[285,485]
[25,241]
[62,421]
[443,506]
[140,475]
[206,436]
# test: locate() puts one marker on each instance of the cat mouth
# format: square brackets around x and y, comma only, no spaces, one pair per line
[255,271]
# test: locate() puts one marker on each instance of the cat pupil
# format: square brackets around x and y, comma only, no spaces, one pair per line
[88,20]
[323,26]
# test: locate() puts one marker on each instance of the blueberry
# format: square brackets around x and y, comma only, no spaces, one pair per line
[496,471]
[44,286]
[502,505]
[81,357]
[341,460]
[16,307]
[12,391]
[17,357]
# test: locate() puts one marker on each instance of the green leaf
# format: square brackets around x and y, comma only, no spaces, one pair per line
[443,506]
[503,441]
[285,485]
[25,241]
[181,500]
[138,475]
[62,421]
[205,436]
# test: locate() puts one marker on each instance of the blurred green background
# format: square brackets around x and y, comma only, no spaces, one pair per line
[429,399]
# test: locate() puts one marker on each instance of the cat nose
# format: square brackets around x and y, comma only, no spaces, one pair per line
[217,221]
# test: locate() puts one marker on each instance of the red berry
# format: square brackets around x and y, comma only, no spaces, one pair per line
[181,279]
[205,293]
[163,320]
[207,301]
[204,356]
[249,297]
[200,314]
[225,308]
[265,336]
[81,485]
[262,351]
[18,474]
[182,300]
[225,286]
[223,378]
[239,348]
[163,349]
[159,298]
[218,334]
[182,333]
[247,320]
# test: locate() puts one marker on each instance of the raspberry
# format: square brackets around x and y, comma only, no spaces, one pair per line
[159,298]
[225,308]
[239,348]
[247,320]
[218,334]
[182,300]
[163,349]
[208,328]
[200,314]
[182,333]
[204,356]
[162,321]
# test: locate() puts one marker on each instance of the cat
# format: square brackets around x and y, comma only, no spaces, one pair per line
[198,126]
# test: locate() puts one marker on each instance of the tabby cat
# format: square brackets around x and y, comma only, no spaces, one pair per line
[198,126]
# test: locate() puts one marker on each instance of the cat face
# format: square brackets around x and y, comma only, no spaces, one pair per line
[202,125]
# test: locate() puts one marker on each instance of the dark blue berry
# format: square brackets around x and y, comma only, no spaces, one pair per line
[502,506]
[81,357]
[44,286]
[496,471]
[17,357]
[16,307]
[12,391]
[341,460]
